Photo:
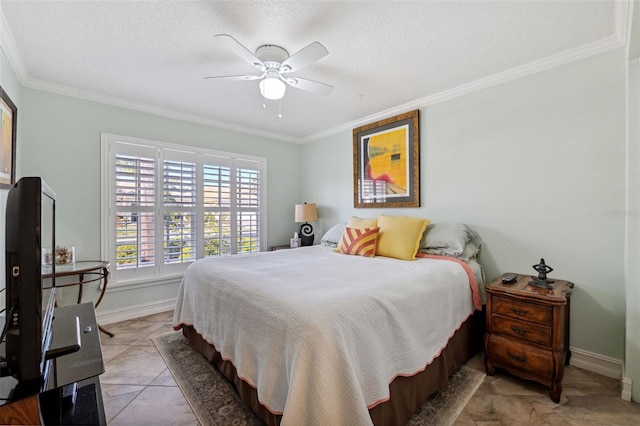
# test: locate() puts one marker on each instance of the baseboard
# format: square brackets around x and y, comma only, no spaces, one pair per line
[626,389]
[606,366]
[137,311]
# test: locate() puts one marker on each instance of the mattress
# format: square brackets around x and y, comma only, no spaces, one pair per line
[321,335]
[406,393]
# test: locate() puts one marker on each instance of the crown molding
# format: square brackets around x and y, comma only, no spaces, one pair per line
[622,10]
[11,50]
[618,39]
[601,46]
[142,107]
[623,13]
[15,60]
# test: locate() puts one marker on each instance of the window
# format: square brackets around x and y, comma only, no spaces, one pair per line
[168,205]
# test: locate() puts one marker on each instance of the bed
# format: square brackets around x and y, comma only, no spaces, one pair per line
[311,336]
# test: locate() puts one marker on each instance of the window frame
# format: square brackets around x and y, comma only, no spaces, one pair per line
[162,272]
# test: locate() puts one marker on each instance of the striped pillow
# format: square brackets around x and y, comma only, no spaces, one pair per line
[361,242]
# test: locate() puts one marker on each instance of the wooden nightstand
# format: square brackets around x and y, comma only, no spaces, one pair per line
[527,331]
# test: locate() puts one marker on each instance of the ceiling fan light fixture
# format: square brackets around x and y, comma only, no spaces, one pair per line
[274,61]
[272,87]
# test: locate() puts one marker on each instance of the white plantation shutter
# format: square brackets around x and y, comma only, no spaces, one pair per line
[170,205]
[179,186]
[248,206]
[217,206]
[135,193]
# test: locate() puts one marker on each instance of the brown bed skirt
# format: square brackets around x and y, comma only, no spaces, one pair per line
[407,393]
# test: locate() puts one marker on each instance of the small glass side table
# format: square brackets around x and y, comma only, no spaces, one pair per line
[88,271]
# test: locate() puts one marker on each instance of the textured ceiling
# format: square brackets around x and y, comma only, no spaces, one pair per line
[384,57]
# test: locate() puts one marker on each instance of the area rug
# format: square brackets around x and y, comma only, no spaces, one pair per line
[215,401]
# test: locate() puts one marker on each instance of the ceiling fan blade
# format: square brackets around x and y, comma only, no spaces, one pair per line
[304,57]
[309,85]
[237,48]
[237,77]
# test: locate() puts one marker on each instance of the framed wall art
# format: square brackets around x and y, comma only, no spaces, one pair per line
[386,162]
[9,114]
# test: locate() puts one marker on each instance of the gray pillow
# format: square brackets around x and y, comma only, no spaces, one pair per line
[331,238]
[446,239]
[471,251]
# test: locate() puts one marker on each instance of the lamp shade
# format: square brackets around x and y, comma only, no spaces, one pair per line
[306,212]
[272,88]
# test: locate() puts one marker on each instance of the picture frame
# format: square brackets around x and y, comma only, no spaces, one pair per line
[9,117]
[386,162]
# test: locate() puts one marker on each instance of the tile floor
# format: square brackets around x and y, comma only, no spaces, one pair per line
[587,399]
[138,389]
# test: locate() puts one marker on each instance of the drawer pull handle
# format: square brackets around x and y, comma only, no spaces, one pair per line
[519,311]
[519,358]
[520,331]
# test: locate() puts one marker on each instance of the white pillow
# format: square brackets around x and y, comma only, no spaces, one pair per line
[331,238]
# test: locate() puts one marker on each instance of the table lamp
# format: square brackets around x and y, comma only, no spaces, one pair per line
[306,213]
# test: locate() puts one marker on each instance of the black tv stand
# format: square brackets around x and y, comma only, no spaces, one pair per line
[73,395]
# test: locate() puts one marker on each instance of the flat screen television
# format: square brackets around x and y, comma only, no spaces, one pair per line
[30,227]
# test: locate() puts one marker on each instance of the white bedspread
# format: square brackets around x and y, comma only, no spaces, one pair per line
[320,334]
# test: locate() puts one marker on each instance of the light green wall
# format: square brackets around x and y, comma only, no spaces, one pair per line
[61,143]
[536,166]
[632,348]
[11,86]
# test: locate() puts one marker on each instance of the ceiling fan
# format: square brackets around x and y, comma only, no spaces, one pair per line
[274,61]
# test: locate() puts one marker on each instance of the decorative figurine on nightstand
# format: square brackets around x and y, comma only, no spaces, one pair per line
[541,281]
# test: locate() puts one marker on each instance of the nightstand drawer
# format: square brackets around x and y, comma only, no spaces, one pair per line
[522,310]
[522,330]
[508,353]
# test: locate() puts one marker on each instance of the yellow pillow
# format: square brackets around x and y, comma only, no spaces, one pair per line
[400,236]
[361,223]
[361,242]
